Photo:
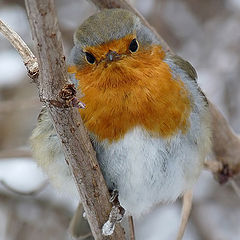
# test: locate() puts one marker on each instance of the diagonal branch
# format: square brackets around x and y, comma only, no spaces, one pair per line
[77,147]
[226,146]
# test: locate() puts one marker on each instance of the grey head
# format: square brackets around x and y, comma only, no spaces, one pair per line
[105,26]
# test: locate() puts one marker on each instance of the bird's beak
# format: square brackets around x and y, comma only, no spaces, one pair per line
[112,56]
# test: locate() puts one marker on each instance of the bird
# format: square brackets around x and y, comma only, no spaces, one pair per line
[147,118]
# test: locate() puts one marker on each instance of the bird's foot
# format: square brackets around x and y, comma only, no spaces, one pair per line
[114,197]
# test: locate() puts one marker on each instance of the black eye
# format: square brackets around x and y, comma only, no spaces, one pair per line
[90,58]
[133,47]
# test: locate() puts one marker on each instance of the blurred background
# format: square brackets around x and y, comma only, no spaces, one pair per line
[206,32]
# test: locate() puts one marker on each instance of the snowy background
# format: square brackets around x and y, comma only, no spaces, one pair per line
[206,32]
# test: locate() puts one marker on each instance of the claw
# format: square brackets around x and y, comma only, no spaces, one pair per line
[114,196]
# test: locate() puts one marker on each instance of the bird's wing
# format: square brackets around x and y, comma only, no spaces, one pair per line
[189,70]
[184,65]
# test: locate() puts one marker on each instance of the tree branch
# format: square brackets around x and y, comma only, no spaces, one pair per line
[77,147]
[226,146]
[28,57]
[76,144]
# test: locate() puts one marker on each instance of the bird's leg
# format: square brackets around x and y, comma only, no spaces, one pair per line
[186,209]
[115,216]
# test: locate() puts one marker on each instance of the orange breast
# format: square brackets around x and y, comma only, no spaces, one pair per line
[137,90]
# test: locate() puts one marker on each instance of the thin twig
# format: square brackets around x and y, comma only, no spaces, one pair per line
[235,187]
[186,210]
[79,227]
[15,153]
[213,166]
[131,227]
[30,61]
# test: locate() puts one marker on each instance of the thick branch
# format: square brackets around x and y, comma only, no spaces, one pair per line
[78,150]
[226,144]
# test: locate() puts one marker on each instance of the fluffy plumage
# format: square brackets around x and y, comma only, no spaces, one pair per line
[147,118]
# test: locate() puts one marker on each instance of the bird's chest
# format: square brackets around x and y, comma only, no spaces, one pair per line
[159,104]
[146,169]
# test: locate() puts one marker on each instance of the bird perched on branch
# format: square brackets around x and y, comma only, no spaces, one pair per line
[146,116]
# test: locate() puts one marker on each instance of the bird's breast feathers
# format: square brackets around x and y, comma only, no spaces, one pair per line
[139,90]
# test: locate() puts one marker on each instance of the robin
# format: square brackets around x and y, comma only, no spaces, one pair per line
[145,113]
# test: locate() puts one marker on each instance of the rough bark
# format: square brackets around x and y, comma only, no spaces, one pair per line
[226,146]
[77,147]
